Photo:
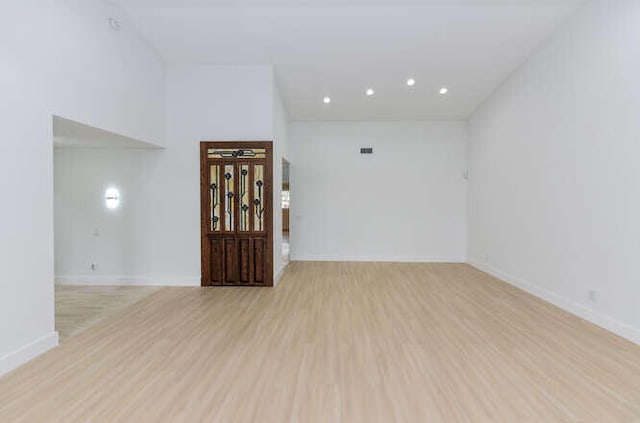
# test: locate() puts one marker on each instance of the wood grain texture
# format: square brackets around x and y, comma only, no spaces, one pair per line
[237,267]
[336,342]
[80,307]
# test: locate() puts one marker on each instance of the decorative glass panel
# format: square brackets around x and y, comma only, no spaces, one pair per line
[243,196]
[229,189]
[235,153]
[214,206]
[259,198]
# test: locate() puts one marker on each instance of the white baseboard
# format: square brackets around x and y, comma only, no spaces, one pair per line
[28,352]
[127,280]
[621,329]
[381,259]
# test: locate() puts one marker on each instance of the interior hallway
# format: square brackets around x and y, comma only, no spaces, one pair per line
[286,249]
[335,342]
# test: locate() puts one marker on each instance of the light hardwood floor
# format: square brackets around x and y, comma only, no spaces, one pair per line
[80,307]
[335,342]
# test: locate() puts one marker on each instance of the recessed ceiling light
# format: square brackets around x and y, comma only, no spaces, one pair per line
[411,82]
[327,100]
[444,90]
[370,92]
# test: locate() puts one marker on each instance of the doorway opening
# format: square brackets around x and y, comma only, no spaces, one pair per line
[286,216]
[98,196]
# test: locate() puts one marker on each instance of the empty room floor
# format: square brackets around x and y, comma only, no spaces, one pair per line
[333,342]
[79,307]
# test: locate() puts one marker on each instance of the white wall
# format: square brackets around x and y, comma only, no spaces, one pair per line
[154,238]
[406,202]
[59,57]
[64,53]
[554,194]
[122,242]
[280,150]
[206,103]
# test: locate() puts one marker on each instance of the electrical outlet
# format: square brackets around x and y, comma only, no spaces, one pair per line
[593,296]
[486,258]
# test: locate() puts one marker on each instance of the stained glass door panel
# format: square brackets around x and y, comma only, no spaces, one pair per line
[236,219]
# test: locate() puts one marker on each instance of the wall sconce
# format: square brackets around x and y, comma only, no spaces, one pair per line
[112,198]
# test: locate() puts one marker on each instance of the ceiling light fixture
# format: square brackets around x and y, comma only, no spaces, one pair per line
[411,82]
[444,90]
[370,92]
[327,100]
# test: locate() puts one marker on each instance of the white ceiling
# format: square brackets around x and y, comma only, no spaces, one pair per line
[71,134]
[340,48]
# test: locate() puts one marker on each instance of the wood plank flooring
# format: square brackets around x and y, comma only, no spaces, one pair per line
[80,307]
[335,342]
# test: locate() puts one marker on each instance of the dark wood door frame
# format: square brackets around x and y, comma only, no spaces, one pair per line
[244,246]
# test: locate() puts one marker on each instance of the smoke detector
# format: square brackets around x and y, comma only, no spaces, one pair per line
[114,23]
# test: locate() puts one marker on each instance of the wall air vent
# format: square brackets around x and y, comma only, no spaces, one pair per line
[366,150]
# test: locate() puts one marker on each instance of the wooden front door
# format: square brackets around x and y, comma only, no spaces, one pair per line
[236,196]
